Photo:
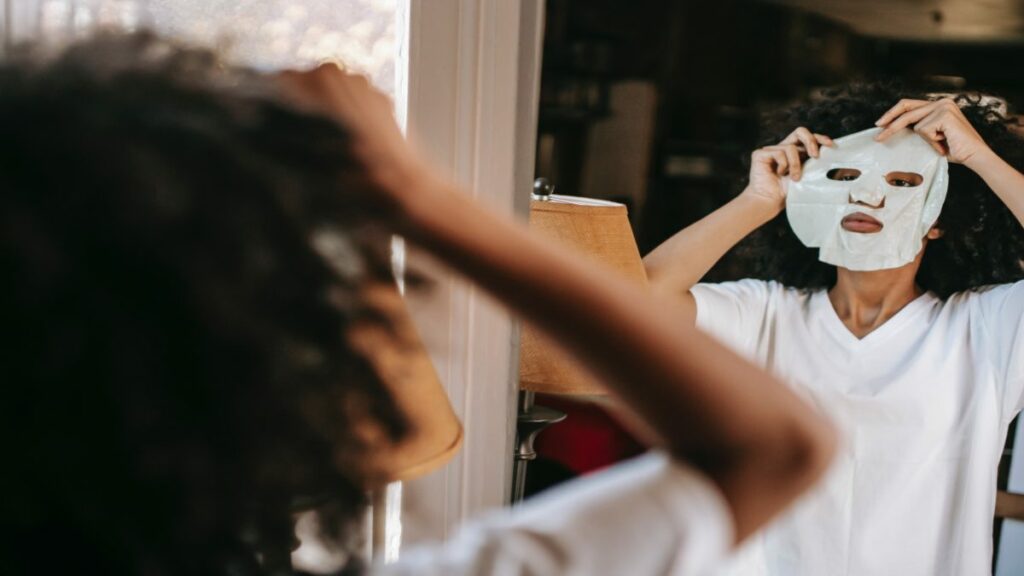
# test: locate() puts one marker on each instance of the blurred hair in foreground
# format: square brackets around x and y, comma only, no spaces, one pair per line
[177,378]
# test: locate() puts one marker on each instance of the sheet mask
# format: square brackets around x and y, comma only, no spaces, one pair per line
[817,204]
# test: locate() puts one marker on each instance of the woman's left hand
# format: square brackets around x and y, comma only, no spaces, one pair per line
[941,123]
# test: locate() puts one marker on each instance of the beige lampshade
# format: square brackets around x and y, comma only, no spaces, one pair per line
[597,229]
[401,361]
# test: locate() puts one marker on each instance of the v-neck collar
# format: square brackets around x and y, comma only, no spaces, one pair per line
[891,326]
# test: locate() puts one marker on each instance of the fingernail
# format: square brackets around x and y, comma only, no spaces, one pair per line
[878,122]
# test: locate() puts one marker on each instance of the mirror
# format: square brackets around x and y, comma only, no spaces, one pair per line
[659,105]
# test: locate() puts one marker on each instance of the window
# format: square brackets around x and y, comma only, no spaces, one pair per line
[275,34]
[267,34]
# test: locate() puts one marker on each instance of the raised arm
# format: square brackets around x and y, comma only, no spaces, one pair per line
[755,439]
[682,260]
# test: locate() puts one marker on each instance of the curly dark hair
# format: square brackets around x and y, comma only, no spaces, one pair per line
[176,373]
[982,242]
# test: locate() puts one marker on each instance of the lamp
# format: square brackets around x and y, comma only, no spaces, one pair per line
[597,229]
[397,355]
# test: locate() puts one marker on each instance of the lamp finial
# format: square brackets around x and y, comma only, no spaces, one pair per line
[542,189]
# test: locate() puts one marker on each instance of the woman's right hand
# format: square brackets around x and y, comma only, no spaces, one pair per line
[770,164]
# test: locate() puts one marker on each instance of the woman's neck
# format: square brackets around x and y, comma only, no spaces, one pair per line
[866,300]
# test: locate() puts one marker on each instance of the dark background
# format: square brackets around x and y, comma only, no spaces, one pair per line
[715,65]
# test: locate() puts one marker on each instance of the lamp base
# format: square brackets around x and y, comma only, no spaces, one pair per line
[531,421]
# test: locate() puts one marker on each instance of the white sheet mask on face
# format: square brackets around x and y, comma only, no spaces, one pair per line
[875,178]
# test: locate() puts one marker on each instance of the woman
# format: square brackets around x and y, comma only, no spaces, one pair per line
[179,382]
[918,359]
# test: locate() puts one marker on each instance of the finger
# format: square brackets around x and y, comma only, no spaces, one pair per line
[931,129]
[806,138]
[342,81]
[802,136]
[901,107]
[790,155]
[949,104]
[300,90]
[931,124]
[935,139]
[329,67]
[938,143]
[771,158]
[781,162]
[294,79]
[824,140]
[793,159]
[906,119]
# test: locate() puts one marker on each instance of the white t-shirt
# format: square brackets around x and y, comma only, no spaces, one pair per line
[923,404]
[649,516]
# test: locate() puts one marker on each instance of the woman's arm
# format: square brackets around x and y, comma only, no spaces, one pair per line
[1010,505]
[682,260]
[749,433]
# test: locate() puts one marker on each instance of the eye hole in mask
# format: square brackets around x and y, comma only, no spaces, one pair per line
[897,179]
[843,174]
[904,179]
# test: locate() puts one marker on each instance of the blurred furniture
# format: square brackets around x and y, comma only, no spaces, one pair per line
[396,353]
[593,437]
[596,229]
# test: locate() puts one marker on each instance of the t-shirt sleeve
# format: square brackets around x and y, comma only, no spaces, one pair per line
[734,312]
[1002,309]
[648,516]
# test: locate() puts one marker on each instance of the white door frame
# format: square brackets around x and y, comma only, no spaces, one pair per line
[469,77]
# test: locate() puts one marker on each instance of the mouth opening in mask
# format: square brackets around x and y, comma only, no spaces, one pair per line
[861,223]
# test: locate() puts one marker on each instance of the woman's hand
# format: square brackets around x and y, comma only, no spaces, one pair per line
[941,123]
[768,165]
[393,167]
